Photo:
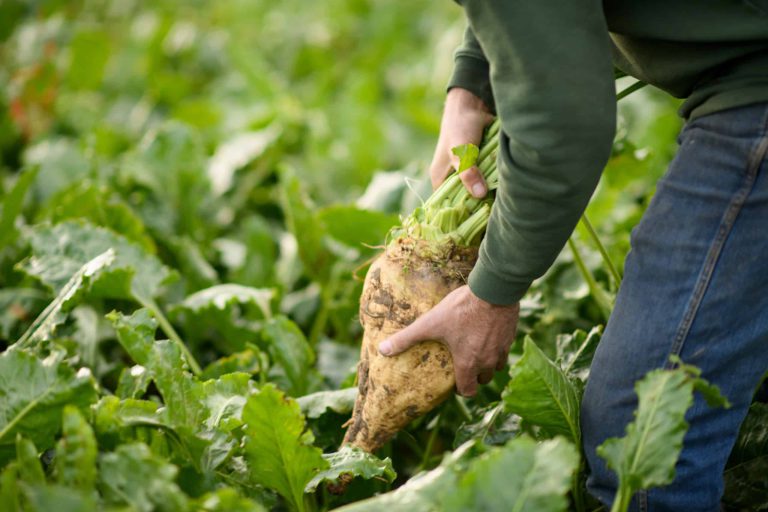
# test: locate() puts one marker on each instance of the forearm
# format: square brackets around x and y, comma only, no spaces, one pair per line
[552,80]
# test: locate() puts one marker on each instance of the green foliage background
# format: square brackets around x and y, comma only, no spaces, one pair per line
[203,183]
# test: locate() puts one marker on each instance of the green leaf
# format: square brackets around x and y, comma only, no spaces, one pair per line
[225,398]
[227,500]
[575,351]
[467,154]
[278,446]
[75,462]
[746,487]
[12,204]
[250,361]
[353,461]
[88,54]
[33,393]
[55,313]
[289,348]
[305,226]
[132,475]
[133,382]
[541,394]
[17,306]
[136,333]
[340,401]
[30,468]
[646,456]
[357,228]
[61,250]
[58,498]
[522,476]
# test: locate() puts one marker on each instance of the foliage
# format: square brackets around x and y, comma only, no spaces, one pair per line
[187,207]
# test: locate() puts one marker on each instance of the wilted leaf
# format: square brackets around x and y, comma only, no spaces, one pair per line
[278,447]
[353,461]
[542,395]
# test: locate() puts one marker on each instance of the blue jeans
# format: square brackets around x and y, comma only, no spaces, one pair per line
[695,285]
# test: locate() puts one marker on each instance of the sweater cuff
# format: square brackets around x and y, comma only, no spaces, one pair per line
[473,74]
[493,288]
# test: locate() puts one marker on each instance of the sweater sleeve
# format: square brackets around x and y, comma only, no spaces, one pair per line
[552,80]
[471,70]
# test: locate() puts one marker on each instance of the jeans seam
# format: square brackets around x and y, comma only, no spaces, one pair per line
[713,254]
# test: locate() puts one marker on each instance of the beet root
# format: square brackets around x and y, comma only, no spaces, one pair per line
[410,278]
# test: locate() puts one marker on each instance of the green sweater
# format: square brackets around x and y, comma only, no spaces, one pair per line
[546,68]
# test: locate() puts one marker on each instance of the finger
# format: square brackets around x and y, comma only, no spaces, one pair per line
[420,330]
[485,376]
[466,380]
[473,181]
[438,174]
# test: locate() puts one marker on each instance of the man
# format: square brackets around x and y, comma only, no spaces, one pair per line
[696,276]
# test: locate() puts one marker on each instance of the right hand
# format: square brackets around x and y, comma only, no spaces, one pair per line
[465,116]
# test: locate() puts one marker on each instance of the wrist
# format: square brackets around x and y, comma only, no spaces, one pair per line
[461,98]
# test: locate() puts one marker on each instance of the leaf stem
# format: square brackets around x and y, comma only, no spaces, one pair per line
[603,252]
[603,302]
[169,331]
[430,444]
[629,90]
[622,500]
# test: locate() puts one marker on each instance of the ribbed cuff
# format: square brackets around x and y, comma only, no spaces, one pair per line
[490,287]
[473,74]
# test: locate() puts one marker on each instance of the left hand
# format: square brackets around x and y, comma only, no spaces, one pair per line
[477,333]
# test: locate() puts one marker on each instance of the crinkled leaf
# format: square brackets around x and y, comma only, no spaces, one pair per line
[495,427]
[357,228]
[316,404]
[575,351]
[76,451]
[278,446]
[133,382]
[523,475]
[220,296]
[33,393]
[136,333]
[55,313]
[353,461]
[132,475]
[467,154]
[646,456]
[61,250]
[225,398]
[746,487]
[541,394]
[289,348]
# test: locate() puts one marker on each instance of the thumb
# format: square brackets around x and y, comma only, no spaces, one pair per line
[473,181]
[418,331]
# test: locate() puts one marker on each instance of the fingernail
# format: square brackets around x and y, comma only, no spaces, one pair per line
[478,190]
[385,348]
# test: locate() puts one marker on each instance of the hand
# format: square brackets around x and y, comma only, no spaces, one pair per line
[477,333]
[465,116]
